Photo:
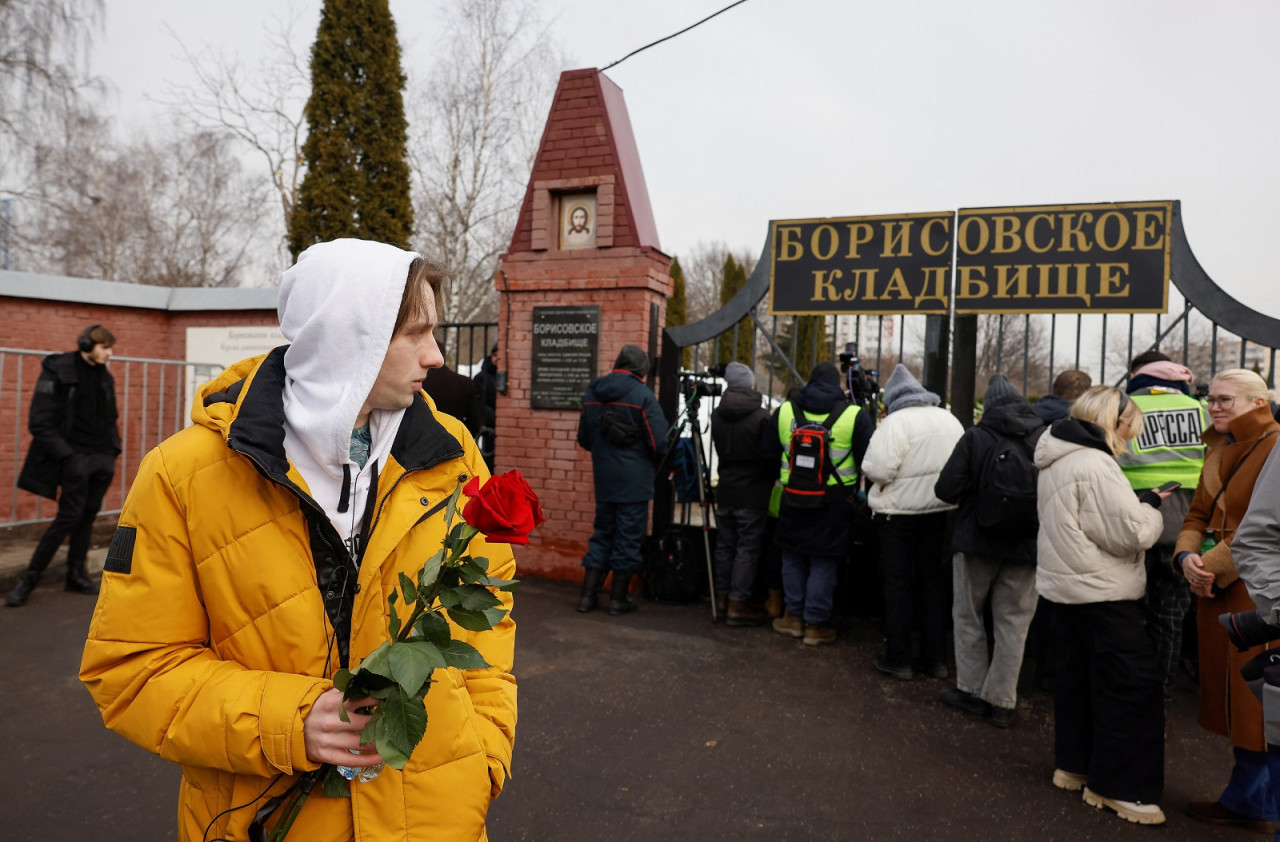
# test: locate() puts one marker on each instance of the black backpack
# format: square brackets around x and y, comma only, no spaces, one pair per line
[1005,497]
[673,572]
[810,460]
[617,427]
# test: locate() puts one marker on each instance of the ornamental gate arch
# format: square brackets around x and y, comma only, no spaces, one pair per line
[1197,323]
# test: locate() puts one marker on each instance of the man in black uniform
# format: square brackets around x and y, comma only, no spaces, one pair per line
[75,444]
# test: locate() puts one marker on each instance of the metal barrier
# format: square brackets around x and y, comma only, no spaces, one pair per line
[152,397]
[466,344]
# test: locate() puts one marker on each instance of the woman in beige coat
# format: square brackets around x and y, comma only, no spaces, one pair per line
[1242,436]
[1108,688]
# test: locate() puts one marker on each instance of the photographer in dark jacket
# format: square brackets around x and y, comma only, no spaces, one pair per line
[742,495]
[624,428]
[991,565]
[75,444]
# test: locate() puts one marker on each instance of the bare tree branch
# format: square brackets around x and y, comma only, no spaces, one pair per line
[474,126]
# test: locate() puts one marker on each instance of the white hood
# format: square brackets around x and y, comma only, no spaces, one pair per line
[337,307]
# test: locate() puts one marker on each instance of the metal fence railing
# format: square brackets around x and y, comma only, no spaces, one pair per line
[152,397]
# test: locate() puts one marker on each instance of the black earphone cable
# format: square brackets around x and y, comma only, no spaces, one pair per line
[256,799]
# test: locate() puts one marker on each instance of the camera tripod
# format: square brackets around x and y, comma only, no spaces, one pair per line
[702,470]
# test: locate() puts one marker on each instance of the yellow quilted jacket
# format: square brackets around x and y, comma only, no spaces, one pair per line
[211,639]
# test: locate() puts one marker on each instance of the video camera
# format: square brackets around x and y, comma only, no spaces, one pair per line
[705,385]
[862,384]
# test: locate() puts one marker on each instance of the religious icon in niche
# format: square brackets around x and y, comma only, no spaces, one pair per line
[578,221]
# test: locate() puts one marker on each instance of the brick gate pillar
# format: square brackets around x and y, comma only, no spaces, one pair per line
[585,237]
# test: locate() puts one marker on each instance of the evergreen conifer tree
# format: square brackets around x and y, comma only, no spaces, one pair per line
[678,306]
[804,341]
[357,181]
[735,344]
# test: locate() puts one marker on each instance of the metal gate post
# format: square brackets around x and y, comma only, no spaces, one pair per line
[937,346]
[964,366]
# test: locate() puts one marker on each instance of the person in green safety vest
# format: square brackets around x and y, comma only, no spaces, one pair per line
[813,530]
[1168,449]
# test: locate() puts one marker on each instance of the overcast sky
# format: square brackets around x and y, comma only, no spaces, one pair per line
[804,108]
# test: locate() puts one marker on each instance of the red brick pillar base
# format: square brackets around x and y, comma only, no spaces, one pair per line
[542,443]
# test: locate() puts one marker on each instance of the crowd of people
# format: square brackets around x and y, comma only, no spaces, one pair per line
[1078,530]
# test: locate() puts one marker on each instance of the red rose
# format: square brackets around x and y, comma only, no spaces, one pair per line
[506,510]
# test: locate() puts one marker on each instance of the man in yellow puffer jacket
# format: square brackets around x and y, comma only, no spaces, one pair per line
[255,555]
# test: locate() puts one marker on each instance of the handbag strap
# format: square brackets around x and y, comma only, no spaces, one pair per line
[1227,481]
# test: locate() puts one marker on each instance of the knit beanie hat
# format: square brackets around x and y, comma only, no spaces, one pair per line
[738,376]
[999,390]
[903,390]
[825,372]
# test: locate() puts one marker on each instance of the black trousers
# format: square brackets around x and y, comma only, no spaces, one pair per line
[84,481]
[917,574]
[1108,699]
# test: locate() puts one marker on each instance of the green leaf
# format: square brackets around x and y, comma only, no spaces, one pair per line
[452,506]
[470,572]
[376,661]
[481,562]
[500,584]
[463,656]
[460,536]
[476,620]
[410,592]
[334,785]
[394,622]
[434,628]
[469,598]
[412,663]
[373,673]
[385,691]
[342,678]
[495,615]
[404,721]
[431,571]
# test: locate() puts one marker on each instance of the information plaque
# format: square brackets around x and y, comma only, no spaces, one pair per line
[566,346]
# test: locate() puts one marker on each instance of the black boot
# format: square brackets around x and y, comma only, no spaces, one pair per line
[78,580]
[21,591]
[619,602]
[591,582]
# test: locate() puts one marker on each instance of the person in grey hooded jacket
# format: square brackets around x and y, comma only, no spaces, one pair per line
[624,428]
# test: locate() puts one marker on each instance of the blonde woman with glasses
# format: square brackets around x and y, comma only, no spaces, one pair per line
[1242,436]
[1094,533]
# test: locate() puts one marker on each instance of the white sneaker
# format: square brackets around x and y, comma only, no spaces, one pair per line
[1070,781]
[1130,811]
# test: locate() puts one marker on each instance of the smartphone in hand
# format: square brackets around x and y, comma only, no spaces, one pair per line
[1170,486]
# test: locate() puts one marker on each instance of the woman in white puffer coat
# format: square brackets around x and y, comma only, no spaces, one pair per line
[1094,531]
[905,455]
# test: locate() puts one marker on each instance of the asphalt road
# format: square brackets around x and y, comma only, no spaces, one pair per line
[654,726]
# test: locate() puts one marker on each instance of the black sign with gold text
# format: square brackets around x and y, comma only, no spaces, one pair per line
[1101,258]
[566,343]
[1095,258]
[862,264]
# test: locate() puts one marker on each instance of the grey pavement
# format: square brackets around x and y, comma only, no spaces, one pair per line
[658,725]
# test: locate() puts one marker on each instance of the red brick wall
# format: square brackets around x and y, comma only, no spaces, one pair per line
[542,443]
[39,325]
[578,144]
